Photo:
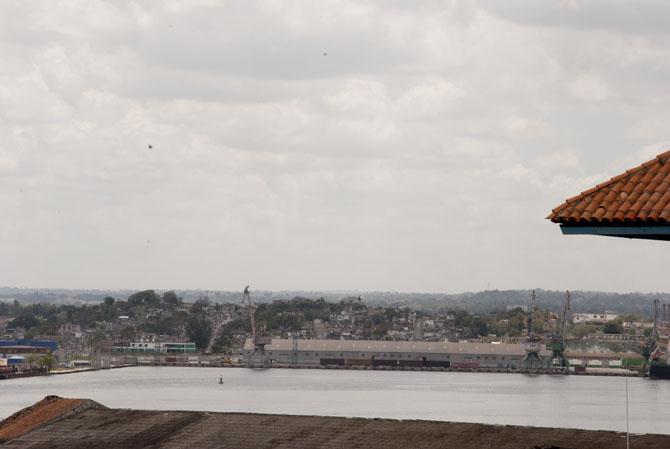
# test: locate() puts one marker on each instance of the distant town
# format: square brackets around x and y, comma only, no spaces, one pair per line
[581,333]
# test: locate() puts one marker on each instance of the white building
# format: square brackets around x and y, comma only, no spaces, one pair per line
[157,347]
[578,318]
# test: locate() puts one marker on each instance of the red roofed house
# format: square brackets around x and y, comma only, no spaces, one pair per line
[635,204]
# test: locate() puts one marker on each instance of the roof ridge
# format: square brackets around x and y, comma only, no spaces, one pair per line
[50,409]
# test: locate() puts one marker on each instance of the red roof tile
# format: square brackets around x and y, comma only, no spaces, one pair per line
[45,411]
[639,196]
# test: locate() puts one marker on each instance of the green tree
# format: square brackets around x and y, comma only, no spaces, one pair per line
[108,308]
[86,316]
[144,297]
[380,331]
[613,327]
[517,324]
[201,305]
[171,299]
[581,330]
[128,333]
[26,320]
[222,343]
[199,330]
[480,326]
[170,325]
[33,359]
[47,361]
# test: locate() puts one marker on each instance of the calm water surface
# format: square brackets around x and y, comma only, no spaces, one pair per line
[554,401]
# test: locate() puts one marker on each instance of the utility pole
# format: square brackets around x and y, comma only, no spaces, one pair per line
[654,332]
[294,352]
[627,429]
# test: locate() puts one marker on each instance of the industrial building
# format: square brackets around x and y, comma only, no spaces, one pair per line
[391,354]
[601,318]
[49,345]
[16,354]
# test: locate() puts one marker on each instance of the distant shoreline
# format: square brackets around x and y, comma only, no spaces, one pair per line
[553,372]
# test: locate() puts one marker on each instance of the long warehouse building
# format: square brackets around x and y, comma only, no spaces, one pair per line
[396,353]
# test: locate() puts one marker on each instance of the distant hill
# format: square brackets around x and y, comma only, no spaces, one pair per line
[475,302]
[492,300]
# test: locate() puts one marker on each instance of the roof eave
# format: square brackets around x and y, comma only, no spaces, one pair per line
[657,232]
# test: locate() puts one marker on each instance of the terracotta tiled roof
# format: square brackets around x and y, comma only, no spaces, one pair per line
[639,196]
[43,412]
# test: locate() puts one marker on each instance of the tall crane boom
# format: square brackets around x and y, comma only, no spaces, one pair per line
[531,331]
[564,321]
[257,358]
[564,326]
[246,301]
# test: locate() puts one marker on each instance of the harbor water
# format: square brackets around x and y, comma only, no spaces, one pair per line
[585,402]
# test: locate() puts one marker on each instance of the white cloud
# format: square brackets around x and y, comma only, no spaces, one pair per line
[560,161]
[360,96]
[428,98]
[589,88]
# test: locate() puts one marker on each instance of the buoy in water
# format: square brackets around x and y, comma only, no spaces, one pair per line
[220,380]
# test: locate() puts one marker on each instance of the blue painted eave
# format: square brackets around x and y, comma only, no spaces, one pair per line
[631,232]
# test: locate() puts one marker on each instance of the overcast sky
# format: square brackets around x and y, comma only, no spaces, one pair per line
[391,145]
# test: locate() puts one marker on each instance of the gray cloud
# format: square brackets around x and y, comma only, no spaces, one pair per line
[422,152]
[622,16]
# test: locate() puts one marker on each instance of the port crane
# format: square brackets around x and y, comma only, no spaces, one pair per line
[533,346]
[655,352]
[258,358]
[564,326]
